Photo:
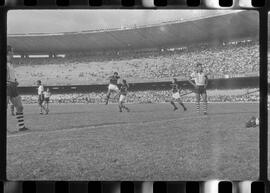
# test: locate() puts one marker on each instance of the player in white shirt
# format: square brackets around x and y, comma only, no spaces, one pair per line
[41,96]
[200,84]
[47,95]
[12,91]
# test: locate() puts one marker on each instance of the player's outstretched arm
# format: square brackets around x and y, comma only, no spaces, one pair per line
[206,81]
[191,82]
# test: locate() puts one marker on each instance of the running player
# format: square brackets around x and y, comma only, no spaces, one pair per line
[112,86]
[40,96]
[176,95]
[47,95]
[123,94]
[201,81]
[12,91]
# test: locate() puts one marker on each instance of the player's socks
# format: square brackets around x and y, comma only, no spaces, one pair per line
[183,106]
[205,108]
[107,99]
[198,107]
[20,119]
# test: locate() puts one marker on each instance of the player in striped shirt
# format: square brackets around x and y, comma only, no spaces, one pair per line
[12,91]
[112,86]
[176,95]
[200,84]
[123,95]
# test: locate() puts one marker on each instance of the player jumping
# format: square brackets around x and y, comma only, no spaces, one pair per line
[12,91]
[112,86]
[201,81]
[47,95]
[41,97]
[176,95]
[123,94]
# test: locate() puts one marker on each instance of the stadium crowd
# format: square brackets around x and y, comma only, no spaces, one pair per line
[149,96]
[222,60]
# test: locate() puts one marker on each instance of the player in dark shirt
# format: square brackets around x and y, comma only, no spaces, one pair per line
[176,95]
[112,86]
[123,95]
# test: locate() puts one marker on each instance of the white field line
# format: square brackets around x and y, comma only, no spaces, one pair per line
[106,125]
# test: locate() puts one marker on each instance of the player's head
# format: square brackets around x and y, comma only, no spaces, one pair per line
[38,82]
[124,81]
[199,66]
[115,73]
[174,80]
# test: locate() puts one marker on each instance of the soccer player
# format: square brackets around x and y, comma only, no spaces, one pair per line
[176,95]
[123,94]
[200,85]
[40,96]
[12,91]
[253,122]
[12,108]
[47,95]
[112,86]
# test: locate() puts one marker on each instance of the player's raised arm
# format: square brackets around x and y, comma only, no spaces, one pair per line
[190,80]
[206,81]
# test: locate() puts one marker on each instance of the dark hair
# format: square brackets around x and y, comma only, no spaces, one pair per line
[39,81]
[175,79]
[124,81]
[115,73]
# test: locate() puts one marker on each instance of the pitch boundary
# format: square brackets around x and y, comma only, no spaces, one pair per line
[121,123]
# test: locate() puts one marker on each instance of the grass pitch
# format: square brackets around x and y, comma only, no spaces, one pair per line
[150,143]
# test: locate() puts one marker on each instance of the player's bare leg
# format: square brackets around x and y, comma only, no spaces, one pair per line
[182,104]
[46,105]
[12,108]
[42,108]
[16,101]
[198,102]
[122,106]
[107,97]
[204,96]
[174,106]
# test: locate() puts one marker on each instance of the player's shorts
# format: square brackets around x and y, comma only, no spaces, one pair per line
[200,90]
[122,98]
[47,99]
[176,95]
[113,87]
[40,99]
[12,90]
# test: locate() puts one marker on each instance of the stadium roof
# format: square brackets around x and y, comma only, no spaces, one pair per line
[226,27]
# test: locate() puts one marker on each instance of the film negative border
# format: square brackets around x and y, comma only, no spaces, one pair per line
[226,186]
[232,4]
[135,187]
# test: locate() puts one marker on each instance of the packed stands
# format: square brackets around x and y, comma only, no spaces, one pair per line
[150,96]
[222,60]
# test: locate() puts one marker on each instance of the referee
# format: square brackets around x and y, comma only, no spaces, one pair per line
[200,84]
